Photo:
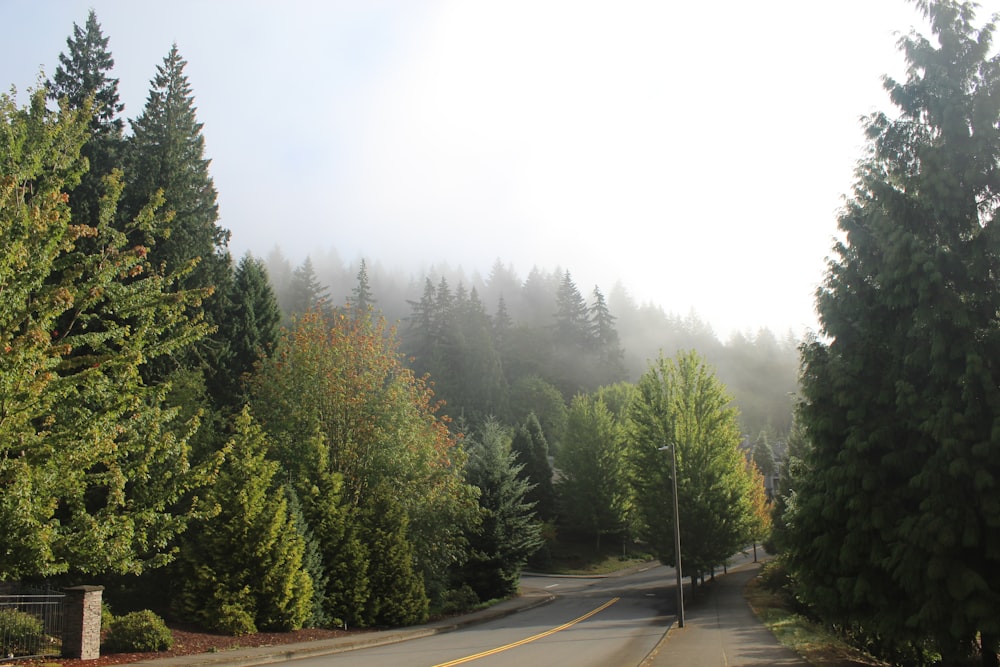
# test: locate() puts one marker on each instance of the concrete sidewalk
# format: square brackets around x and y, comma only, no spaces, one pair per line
[721,630]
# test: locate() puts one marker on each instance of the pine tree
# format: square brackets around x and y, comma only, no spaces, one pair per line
[361,296]
[397,595]
[166,153]
[610,365]
[573,325]
[896,527]
[252,326]
[305,292]
[791,471]
[763,457]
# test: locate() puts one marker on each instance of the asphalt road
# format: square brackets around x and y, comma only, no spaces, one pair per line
[602,622]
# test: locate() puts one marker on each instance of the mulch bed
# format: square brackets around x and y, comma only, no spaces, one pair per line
[189,642]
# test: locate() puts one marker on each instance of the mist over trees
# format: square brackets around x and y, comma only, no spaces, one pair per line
[259,444]
[545,326]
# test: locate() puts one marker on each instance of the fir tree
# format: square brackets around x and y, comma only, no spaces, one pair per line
[532,452]
[305,292]
[573,325]
[609,364]
[508,533]
[252,326]
[397,595]
[167,152]
[361,296]
[82,79]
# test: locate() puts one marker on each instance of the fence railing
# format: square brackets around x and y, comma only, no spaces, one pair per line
[31,624]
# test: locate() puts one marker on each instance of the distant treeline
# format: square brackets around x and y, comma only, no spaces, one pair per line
[541,326]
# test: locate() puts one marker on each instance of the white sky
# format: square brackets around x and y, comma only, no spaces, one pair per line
[698,152]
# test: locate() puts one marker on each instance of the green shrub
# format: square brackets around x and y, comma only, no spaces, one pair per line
[458,600]
[138,632]
[20,633]
[234,619]
[107,618]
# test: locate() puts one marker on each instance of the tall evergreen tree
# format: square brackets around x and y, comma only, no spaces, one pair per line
[532,452]
[610,364]
[305,292]
[896,529]
[398,596]
[573,325]
[361,296]
[167,152]
[593,484]
[83,79]
[243,568]
[508,533]
[762,455]
[251,327]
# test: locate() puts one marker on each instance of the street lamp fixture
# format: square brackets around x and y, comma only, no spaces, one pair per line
[677,535]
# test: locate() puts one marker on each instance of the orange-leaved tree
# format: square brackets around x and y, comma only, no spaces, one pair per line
[348,416]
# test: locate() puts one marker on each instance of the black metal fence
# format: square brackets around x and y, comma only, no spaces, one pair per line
[31,624]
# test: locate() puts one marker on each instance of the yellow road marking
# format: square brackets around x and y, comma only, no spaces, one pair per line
[540,635]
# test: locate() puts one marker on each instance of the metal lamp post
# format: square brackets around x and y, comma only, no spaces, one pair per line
[677,535]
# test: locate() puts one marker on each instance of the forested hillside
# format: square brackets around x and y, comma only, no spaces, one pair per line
[250,446]
[542,325]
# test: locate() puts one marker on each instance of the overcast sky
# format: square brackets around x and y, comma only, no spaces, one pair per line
[697,152]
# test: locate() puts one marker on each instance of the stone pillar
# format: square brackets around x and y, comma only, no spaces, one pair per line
[82,623]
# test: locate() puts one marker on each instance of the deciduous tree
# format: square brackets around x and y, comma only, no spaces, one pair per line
[593,486]
[93,463]
[681,404]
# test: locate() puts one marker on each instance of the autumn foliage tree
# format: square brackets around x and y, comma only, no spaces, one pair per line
[352,421]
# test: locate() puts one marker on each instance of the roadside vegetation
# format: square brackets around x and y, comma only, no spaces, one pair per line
[771,600]
[221,442]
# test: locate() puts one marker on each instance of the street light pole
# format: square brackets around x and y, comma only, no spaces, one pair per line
[677,535]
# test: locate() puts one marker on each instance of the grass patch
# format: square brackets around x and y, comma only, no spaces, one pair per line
[810,640]
[572,555]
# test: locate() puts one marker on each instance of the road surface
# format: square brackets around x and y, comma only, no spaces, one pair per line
[601,622]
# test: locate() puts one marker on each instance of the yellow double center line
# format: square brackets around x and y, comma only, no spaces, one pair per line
[528,640]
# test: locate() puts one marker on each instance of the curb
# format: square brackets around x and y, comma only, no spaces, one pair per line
[267,655]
